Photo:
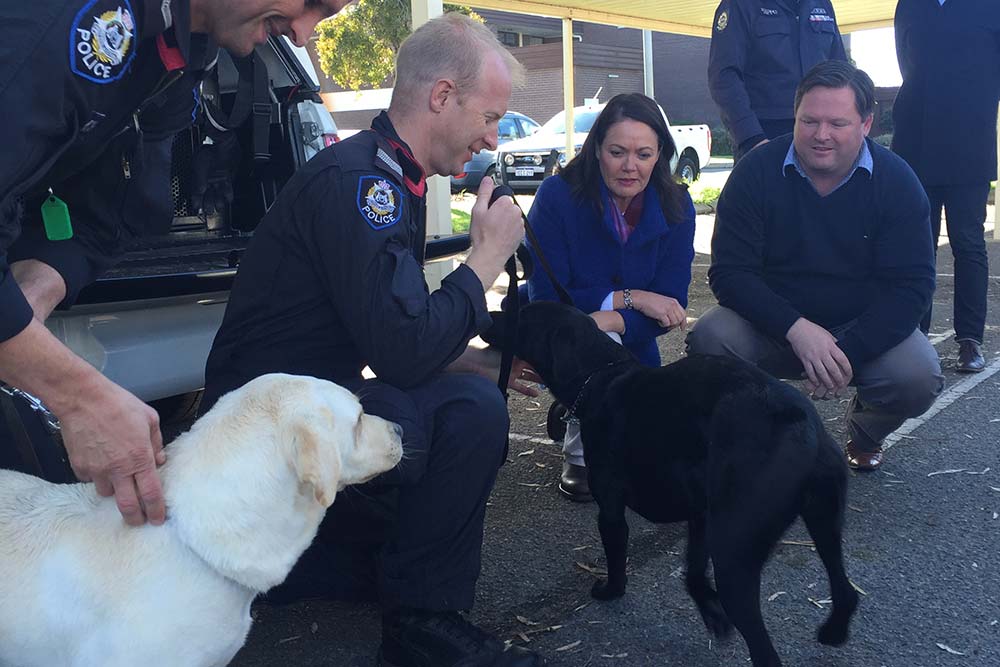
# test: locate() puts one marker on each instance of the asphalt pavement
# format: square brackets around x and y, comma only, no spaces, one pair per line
[922,543]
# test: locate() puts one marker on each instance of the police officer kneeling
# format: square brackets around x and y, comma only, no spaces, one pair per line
[333,281]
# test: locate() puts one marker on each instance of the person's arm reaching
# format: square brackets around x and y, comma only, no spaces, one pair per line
[112,438]
[405,332]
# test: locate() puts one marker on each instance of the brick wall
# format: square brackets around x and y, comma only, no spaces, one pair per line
[680,79]
[541,96]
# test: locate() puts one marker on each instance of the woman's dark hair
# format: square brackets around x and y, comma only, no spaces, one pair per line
[583,173]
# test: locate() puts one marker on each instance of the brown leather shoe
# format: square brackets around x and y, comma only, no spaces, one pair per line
[861,460]
[970,357]
[573,483]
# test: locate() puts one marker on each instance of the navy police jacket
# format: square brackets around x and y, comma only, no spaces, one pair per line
[760,51]
[93,92]
[333,278]
[945,114]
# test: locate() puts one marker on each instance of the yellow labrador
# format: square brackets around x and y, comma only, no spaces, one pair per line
[246,489]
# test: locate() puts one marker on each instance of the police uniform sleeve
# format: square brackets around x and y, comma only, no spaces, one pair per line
[38,96]
[837,50]
[363,242]
[726,63]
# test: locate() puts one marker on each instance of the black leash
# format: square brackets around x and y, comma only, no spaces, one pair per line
[512,304]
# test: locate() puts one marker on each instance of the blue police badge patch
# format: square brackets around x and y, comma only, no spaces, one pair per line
[380,201]
[102,40]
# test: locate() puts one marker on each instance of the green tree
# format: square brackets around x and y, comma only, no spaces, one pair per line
[357,47]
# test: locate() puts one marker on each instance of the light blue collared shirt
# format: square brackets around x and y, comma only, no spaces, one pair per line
[864,161]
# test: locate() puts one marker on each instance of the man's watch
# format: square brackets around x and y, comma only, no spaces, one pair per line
[627,298]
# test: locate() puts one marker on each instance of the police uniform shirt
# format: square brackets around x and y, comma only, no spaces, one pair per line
[333,279]
[760,51]
[75,77]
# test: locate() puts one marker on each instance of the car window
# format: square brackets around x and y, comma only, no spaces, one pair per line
[582,121]
[507,129]
[528,127]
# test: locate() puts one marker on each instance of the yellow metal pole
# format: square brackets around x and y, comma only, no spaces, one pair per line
[569,93]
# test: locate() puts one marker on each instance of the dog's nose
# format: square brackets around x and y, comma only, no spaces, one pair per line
[398,430]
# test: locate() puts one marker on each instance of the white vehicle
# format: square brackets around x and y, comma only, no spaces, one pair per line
[524,164]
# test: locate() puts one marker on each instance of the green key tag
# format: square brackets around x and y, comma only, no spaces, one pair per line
[55,217]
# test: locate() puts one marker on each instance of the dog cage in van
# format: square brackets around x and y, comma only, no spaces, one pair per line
[149,322]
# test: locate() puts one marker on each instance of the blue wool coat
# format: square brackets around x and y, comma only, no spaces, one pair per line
[590,261]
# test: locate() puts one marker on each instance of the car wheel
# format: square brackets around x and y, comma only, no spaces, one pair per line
[687,170]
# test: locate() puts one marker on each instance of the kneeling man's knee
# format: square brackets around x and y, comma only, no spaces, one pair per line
[916,393]
[719,332]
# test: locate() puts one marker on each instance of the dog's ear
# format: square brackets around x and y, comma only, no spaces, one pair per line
[316,463]
[495,334]
[566,358]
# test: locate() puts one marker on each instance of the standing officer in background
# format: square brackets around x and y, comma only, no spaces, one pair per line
[760,51]
[84,165]
[949,56]
[333,281]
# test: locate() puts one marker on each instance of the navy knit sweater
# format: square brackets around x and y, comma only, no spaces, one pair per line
[861,256]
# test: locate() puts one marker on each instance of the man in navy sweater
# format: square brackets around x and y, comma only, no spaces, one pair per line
[823,265]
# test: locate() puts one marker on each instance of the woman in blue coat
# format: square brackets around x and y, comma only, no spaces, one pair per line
[618,231]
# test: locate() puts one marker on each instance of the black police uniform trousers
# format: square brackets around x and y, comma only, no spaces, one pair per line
[412,537]
[965,208]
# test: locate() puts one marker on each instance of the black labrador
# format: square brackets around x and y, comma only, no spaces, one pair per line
[712,441]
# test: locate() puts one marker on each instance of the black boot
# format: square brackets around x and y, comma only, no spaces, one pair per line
[574,483]
[418,638]
[970,356]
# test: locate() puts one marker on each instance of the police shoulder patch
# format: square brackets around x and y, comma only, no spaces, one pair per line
[380,201]
[102,40]
[723,21]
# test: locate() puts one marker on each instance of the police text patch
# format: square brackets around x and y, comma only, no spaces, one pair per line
[102,40]
[380,201]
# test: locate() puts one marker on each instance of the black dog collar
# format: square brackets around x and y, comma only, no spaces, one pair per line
[570,416]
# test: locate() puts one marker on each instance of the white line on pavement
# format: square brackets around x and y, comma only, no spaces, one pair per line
[940,337]
[950,395]
[530,438]
[952,275]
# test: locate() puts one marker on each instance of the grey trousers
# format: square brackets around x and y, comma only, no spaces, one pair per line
[901,383]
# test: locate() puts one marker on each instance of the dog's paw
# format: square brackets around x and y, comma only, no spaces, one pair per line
[832,633]
[715,619]
[602,590]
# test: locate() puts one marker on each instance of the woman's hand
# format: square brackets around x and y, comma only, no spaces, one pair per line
[665,310]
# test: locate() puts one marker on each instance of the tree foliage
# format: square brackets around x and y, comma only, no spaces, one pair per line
[357,47]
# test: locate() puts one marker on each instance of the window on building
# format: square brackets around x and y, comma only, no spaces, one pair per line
[531,40]
[508,38]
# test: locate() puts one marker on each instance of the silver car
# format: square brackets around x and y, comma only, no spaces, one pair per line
[513,126]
